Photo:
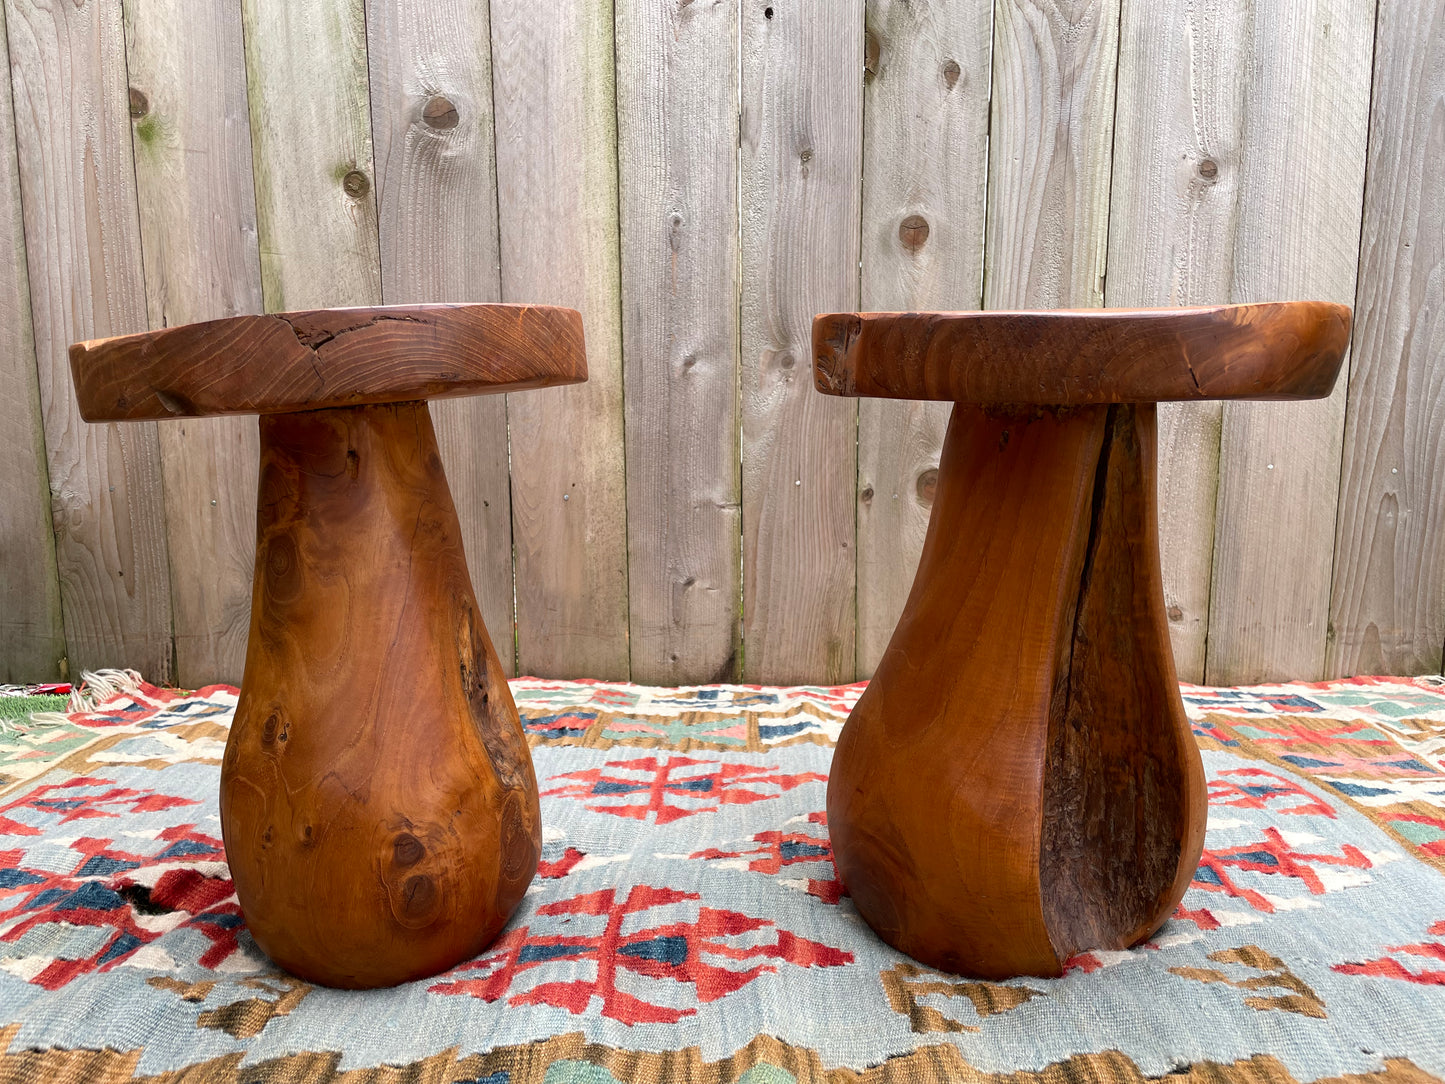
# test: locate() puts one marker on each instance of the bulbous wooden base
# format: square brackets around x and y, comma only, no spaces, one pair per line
[378,801]
[1019,781]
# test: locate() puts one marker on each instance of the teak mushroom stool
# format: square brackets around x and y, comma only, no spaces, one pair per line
[1018,782]
[378,802]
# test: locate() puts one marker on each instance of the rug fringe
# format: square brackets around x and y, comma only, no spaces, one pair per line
[94,687]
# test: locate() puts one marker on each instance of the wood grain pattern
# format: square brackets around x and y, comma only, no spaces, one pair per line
[192,148]
[1018,781]
[677,134]
[77,183]
[327,358]
[311,140]
[377,798]
[925,179]
[1289,350]
[436,195]
[1298,236]
[1049,152]
[32,638]
[1387,605]
[552,78]
[801,192]
[1180,147]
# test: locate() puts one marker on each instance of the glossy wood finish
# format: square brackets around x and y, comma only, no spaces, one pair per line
[327,358]
[377,797]
[1283,350]
[1018,782]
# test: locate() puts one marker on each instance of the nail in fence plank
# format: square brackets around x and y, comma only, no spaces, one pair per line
[192,146]
[1387,606]
[677,151]
[555,115]
[77,182]
[436,185]
[32,639]
[925,178]
[802,119]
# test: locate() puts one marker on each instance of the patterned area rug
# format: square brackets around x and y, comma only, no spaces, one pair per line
[687,924]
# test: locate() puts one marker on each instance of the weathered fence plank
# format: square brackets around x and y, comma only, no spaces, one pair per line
[311,141]
[83,254]
[1179,143]
[677,138]
[1302,174]
[1049,153]
[802,120]
[32,638]
[700,180]
[552,68]
[192,147]
[1387,607]
[925,180]
[436,194]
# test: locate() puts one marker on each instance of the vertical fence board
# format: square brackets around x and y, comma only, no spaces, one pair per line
[1387,607]
[1179,147]
[1049,153]
[192,146]
[32,638]
[311,146]
[552,78]
[677,161]
[436,196]
[1303,174]
[802,119]
[677,111]
[925,181]
[83,253]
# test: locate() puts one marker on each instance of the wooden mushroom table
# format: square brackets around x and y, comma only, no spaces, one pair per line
[1018,782]
[378,802]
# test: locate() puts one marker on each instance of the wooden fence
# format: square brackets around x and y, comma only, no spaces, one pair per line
[700,177]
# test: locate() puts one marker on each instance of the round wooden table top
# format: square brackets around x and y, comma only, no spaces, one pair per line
[290,361]
[1275,350]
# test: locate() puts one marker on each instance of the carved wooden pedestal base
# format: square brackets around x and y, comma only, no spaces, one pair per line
[1019,782]
[377,797]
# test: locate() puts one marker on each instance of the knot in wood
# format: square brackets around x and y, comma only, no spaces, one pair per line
[419,896]
[407,850]
[272,728]
[440,113]
[355,184]
[951,72]
[913,231]
[1209,169]
[140,105]
[927,485]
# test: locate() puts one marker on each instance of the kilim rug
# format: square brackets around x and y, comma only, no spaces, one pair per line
[687,923]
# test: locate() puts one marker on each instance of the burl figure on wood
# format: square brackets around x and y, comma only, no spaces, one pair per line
[378,802]
[1019,782]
